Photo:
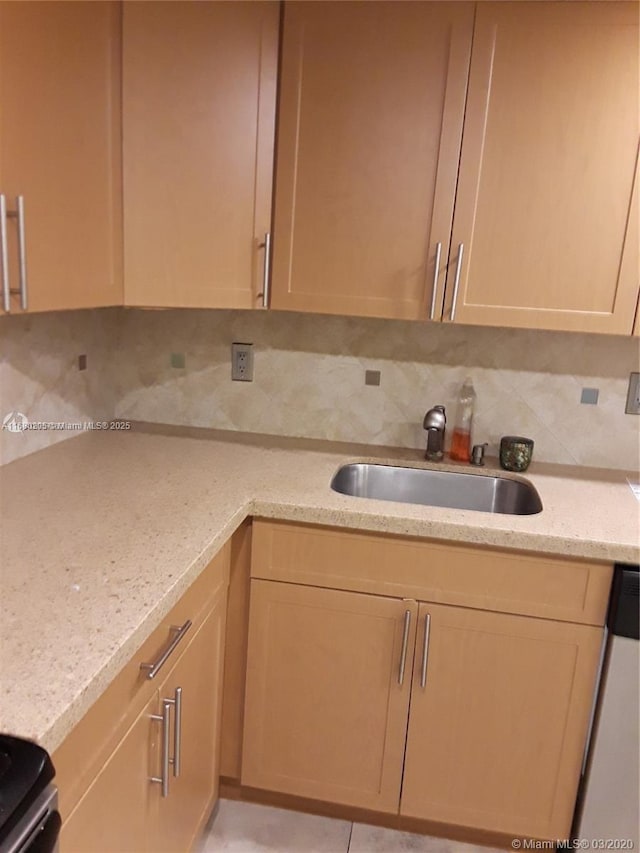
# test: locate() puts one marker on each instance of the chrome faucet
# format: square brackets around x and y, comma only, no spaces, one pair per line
[435,422]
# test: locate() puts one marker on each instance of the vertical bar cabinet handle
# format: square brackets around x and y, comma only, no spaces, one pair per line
[405,644]
[177,730]
[436,273]
[456,281]
[164,718]
[425,651]
[266,270]
[4,259]
[22,251]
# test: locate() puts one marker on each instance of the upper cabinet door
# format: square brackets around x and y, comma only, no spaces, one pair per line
[370,122]
[60,153]
[630,266]
[547,169]
[199,115]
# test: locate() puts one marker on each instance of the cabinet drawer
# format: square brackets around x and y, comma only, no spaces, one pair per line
[83,752]
[470,576]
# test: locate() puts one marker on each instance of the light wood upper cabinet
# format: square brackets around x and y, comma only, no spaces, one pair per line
[370,122]
[630,266]
[547,169]
[325,716]
[199,114]
[496,734]
[60,149]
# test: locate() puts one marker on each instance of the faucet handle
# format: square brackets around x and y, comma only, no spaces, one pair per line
[435,418]
[477,454]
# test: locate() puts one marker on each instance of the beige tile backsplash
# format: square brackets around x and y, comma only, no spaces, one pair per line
[309,378]
[39,375]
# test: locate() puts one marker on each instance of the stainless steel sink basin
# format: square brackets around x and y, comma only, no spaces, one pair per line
[437,488]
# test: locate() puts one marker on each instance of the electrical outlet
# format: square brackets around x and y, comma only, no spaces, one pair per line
[242,362]
[633,395]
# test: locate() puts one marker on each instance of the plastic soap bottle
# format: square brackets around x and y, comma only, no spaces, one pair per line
[461,439]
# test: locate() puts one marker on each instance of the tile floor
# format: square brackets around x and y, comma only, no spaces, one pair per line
[249,828]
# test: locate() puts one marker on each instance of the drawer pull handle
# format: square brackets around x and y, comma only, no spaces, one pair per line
[405,644]
[154,668]
[163,779]
[425,651]
[177,730]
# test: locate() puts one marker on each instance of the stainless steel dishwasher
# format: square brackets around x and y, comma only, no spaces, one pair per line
[609,806]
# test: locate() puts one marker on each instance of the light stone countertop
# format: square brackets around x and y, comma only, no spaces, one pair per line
[101,535]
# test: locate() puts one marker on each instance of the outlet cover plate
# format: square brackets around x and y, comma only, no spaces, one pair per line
[633,395]
[242,362]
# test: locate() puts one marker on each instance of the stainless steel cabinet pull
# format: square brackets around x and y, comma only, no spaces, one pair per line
[456,281]
[405,643]
[154,668]
[22,252]
[4,260]
[164,718]
[266,270]
[18,214]
[425,651]
[436,273]
[177,730]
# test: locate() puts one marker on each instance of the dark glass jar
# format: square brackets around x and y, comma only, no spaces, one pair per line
[515,452]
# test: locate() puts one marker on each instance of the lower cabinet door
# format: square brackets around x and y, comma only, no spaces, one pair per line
[325,712]
[121,805]
[496,734]
[196,682]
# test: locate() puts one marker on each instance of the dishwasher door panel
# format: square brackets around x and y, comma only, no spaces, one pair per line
[610,808]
